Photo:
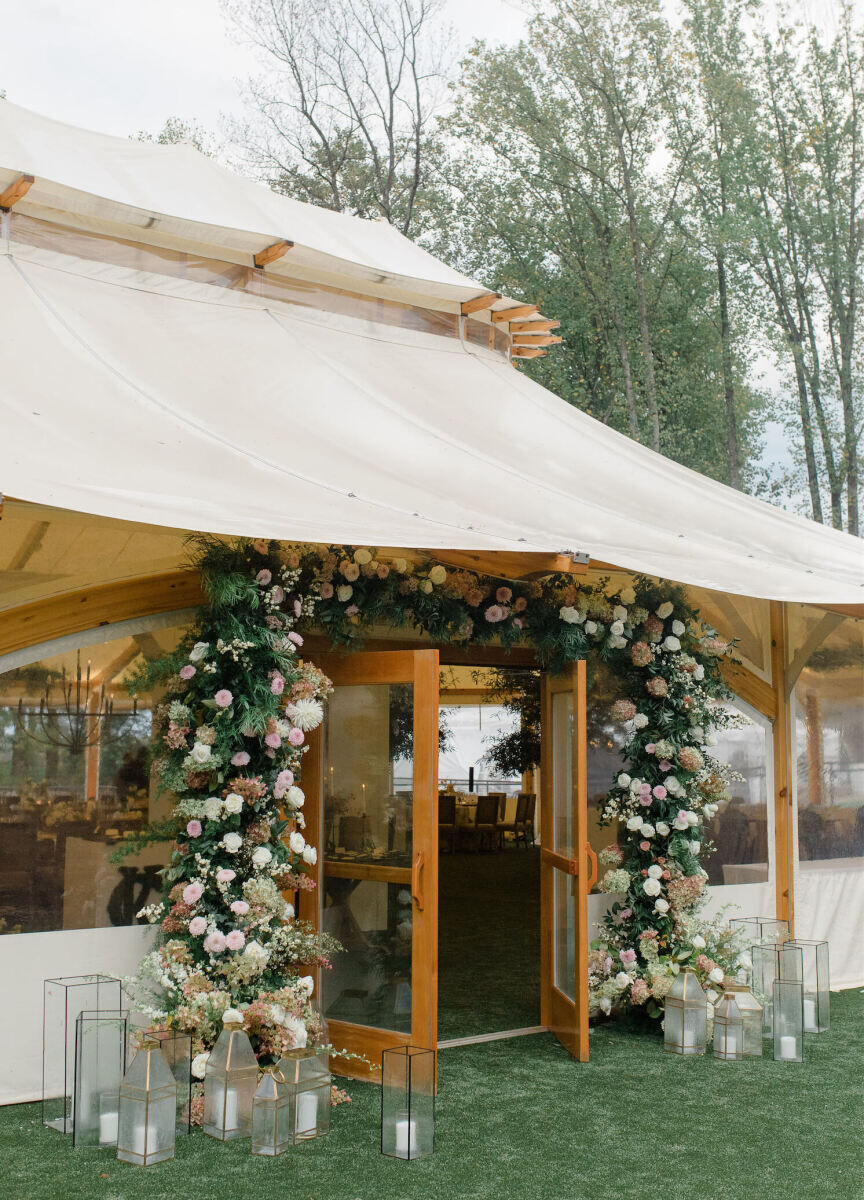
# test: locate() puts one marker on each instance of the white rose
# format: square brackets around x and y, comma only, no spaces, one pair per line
[310,855]
[695,847]
[232,842]
[606,1005]
[426,586]
[710,739]
[297,842]
[571,615]
[646,830]
[288,911]
[662,828]
[199,1062]
[710,811]
[692,819]
[672,785]
[590,626]
[255,950]
[233,803]
[616,642]
[438,575]
[635,785]
[661,905]
[678,628]
[698,734]
[262,856]
[623,780]
[651,887]
[681,823]
[619,612]
[671,644]
[627,595]
[295,797]
[699,673]
[654,872]
[195,655]
[698,942]
[362,557]
[344,592]
[297,1030]
[400,565]
[232,1014]
[213,808]
[622,979]
[640,721]
[716,976]
[200,753]
[277,1013]
[617,627]
[307,983]
[634,823]
[665,610]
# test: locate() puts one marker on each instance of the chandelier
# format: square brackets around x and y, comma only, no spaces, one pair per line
[80,717]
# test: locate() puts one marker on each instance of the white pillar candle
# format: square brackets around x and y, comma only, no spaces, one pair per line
[108,1124]
[139,1140]
[810,1023]
[229,1113]
[689,1038]
[406,1137]
[787,1048]
[732,1046]
[307,1113]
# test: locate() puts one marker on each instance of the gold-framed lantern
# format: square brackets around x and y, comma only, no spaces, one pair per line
[728,1029]
[307,1079]
[148,1108]
[272,1129]
[230,1081]
[751,1015]
[684,1030]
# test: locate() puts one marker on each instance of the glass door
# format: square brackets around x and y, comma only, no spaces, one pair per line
[372,797]
[568,866]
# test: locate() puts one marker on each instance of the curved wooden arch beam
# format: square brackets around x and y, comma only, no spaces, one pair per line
[88,608]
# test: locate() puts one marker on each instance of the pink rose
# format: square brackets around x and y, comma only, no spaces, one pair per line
[664,765]
[193,892]
[284,780]
[263,577]
[277,594]
[644,789]
[235,940]
[225,875]
[382,571]
[273,740]
[628,957]
[295,638]
[214,943]
[495,613]
[269,753]
[650,747]
[660,792]
[193,828]
[352,610]
[645,799]
[296,737]
[187,672]
[298,608]
[197,926]
[240,907]
[644,845]
[350,570]
[223,698]
[277,683]
[240,759]
[326,591]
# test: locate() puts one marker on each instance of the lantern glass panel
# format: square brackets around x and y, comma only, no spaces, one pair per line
[772,962]
[148,1109]
[685,1024]
[751,1015]
[177,1051]
[229,1086]
[788,996]
[817,985]
[63,1000]
[307,1077]
[100,1060]
[728,1029]
[272,1129]
[407,1102]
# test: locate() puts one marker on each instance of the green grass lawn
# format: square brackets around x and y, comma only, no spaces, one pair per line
[518,1120]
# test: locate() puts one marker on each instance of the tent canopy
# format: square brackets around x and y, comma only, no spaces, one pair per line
[154,399]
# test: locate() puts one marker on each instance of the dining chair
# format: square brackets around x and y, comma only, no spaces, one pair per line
[525,821]
[351,833]
[518,818]
[447,818]
[486,825]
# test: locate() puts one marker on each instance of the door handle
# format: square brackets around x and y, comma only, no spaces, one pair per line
[592,867]
[416,891]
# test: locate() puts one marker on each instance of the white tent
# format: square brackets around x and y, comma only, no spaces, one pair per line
[134,394]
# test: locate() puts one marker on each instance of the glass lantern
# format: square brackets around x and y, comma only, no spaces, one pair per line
[788,1004]
[761,929]
[772,961]
[272,1129]
[407,1102]
[100,1061]
[685,1026]
[148,1108]
[307,1077]
[63,1000]
[817,994]
[229,1085]
[177,1051]
[728,1029]
[751,1014]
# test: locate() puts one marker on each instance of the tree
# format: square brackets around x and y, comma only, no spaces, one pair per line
[343,111]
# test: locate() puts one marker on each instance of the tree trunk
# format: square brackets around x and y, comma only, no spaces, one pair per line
[806,427]
[728,384]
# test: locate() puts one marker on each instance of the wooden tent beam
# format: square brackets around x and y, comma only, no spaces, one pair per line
[529,339]
[16,191]
[271,253]
[479,303]
[514,314]
[527,352]
[533,326]
[510,564]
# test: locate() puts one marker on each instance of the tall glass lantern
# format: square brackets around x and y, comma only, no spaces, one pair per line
[63,1000]
[306,1074]
[817,985]
[229,1083]
[407,1102]
[177,1051]
[751,1015]
[148,1108]
[728,1029]
[761,929]
[272,1127]
[788,1003]
[685,1026]
[100,1061]
[772,961]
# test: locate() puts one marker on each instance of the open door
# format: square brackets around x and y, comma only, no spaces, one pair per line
[568,864]
[371,781]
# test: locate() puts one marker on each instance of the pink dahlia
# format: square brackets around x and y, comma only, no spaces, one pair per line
[659,792]
[225,875]
[193,892]
[240,759]
[235,940]
[628,957]
[504,595]
[214,943]
[277,683]
[295,638]
[263,577]
[187,672]
[223,698]
[296,737]
[193,828]
[240,907]
[197,926]
[273,740]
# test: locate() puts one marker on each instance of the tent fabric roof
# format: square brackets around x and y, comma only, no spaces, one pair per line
[175,196]
[154,399]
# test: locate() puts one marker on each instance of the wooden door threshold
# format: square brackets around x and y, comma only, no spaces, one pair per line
[492,1037]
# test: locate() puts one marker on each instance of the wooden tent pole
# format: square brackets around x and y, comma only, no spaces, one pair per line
[782,742]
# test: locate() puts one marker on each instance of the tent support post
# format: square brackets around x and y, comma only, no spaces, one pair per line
[783,820]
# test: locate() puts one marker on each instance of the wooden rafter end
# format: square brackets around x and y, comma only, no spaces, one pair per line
[16,191]
[270,253]
[478,303]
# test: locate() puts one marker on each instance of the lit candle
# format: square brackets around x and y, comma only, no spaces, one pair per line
[788,1048]
[108,1125]
[307,1113]
[406,1137]
[810,1023]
